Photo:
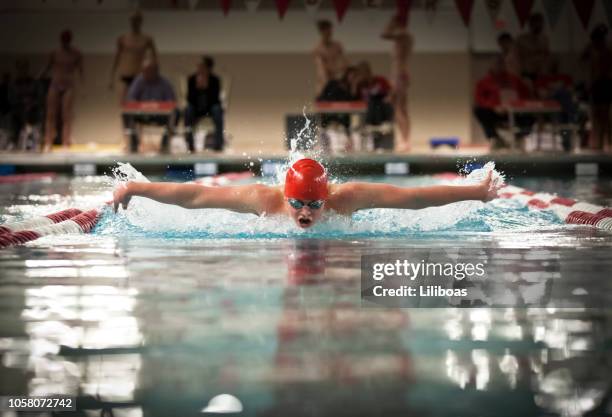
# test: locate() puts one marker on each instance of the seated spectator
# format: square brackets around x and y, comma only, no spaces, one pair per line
[26,98]
[5,108]
[343,89]
[493,91]
[149,86]
[375,90]
[203,99]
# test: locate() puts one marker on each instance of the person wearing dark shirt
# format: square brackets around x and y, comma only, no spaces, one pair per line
[343,89]
[150,86]
[26,100]
[203,99]
[494,91]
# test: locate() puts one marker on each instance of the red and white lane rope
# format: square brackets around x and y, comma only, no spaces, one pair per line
[40,221]
[77,221]
[81,222]
[569,210]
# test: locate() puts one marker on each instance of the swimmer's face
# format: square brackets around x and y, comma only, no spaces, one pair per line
[305,213]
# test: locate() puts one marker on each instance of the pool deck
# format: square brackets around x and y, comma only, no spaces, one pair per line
[537,164]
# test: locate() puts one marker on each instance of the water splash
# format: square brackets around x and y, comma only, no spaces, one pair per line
[149,218]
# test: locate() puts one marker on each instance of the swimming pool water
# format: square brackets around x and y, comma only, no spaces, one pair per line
[161,309]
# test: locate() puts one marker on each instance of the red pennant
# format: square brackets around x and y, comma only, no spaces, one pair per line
[282,6]
[403,11]
[465,10]
[341,6]
[584,8]
[523,9]
[225,6]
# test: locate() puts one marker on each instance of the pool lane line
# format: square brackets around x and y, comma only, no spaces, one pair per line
[16,178]
[569,210]
[84,222]
[40,221]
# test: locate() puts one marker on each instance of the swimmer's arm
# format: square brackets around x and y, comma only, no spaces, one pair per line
[243,199]
[368,195]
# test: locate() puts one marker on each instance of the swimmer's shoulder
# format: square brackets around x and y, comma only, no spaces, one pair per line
[340,198]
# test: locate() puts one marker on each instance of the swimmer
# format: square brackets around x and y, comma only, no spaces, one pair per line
[305,196]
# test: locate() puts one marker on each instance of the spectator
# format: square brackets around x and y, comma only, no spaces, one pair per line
[149,86]
[533,48]
[26,101]
[494,91]
[64,63]
[330,60]
[5,111]
[598,56]
[131,52]
[344,89]
[402,47]
[375,90]
[203,99]
[508,53]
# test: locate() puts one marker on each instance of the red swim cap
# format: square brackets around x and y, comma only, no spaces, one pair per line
[306,180]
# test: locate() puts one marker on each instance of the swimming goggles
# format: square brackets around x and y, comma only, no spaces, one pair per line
[298,204]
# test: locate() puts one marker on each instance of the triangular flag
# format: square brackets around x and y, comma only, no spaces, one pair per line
[282,6]
[341,6]
[493,7]
[372,4]
[523,10]
[608,7]
[584,8]
[312,5]
[252,5]
[553,9]
[465,10]
[403,11]
[431,7]
[225,6]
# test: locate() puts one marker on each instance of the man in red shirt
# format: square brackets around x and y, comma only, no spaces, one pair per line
[492,93]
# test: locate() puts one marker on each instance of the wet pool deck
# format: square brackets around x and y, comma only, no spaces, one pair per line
[547,164]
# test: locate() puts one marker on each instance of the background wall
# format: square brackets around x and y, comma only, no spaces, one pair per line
[269,61]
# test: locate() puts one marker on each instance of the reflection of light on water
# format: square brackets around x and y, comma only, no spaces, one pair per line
[455,371]
[480,358]
[481,319]
[509,366]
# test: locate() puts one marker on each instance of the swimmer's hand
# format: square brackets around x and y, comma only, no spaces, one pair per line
[122,195]
[489,188]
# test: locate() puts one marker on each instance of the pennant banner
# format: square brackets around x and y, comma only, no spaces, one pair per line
[608,7]
[553,9]
[403,11]
[493,7]
[465,10]
[252,5]
[584,8]
[523,10]
[282,6]
[341,6]
[225,6]
[312,5]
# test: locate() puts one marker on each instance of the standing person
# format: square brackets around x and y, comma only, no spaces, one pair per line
[400,76]
[64,63]
[598,56]
[508,53]
[203,99]
[329,57]
[131,52]
[533,48]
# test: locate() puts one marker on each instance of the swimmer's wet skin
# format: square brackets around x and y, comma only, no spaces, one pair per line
[305,196]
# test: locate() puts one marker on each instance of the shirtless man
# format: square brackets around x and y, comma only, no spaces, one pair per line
[402,48]
[131,52]
[330,60]
[305,196]
[63,63]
